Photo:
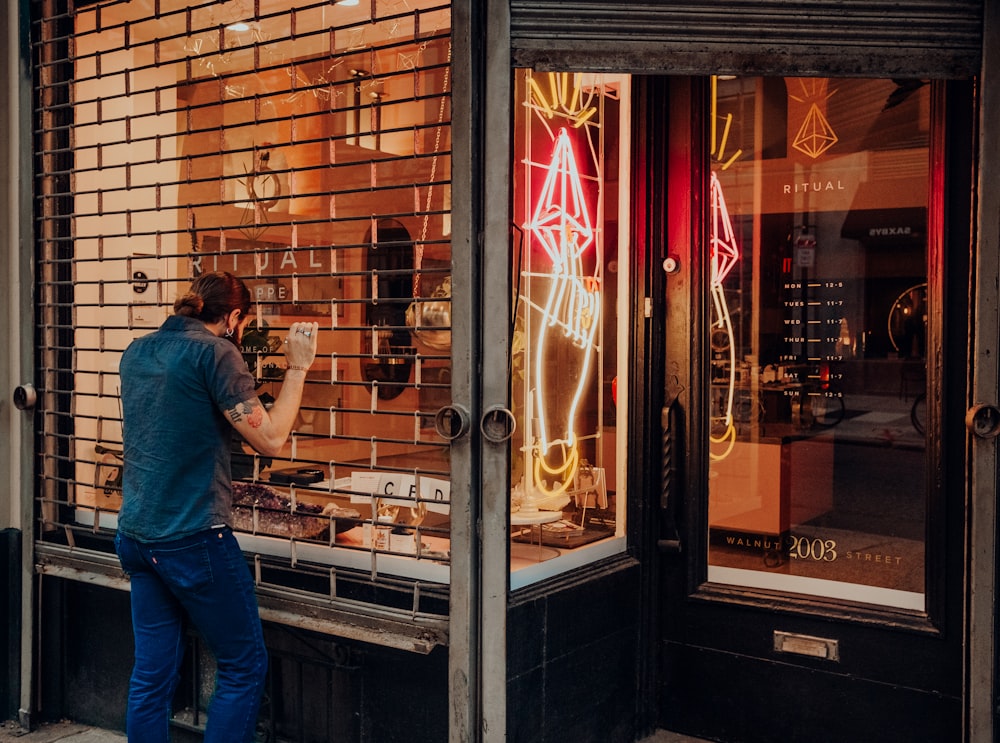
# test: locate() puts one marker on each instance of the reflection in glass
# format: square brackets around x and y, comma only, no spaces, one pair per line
[818,222]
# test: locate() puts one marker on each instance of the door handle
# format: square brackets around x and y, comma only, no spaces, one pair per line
[983,420]
[497,424]
[451,422]
[25,396]
[671,541]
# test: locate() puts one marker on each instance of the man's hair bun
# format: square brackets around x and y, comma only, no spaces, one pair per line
[189,305]
[213,296]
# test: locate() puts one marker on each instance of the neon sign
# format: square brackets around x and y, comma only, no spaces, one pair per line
[564,96]
[719,145]
[815,136]
[724,255]
[562,224]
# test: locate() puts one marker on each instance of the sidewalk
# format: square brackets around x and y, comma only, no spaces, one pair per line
[64,732]
[71,732]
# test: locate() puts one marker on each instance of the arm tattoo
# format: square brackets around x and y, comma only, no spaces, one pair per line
[254,414]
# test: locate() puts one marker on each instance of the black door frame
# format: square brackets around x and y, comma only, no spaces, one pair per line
[697,667]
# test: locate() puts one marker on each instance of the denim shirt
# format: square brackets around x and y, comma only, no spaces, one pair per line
[177,384]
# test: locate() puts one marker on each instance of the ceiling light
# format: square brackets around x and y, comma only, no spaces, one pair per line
[238,26]
[346,2]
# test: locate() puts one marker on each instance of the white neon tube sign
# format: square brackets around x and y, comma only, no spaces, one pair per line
[562,224]
[724,254]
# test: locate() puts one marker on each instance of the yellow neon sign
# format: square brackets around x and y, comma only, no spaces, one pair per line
[719,145]
[815,136]
[563,97]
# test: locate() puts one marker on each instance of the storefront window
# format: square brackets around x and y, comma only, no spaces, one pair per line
[569,273]
[818,219]
[306,150]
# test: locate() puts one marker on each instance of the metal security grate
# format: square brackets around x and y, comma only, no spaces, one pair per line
[305,147]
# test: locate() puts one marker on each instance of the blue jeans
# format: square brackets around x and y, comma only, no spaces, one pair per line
[205,577]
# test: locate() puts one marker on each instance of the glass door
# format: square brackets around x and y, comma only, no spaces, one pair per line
[809,302]
[818,226]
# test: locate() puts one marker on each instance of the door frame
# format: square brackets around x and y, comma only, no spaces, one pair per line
[490,165]
[683,230]
[17,427]
[981,670]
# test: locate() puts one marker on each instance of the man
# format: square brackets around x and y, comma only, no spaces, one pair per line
[184,387]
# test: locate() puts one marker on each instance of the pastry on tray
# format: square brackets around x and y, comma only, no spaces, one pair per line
[259,509]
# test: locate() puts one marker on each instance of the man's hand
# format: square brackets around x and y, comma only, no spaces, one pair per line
[268,430]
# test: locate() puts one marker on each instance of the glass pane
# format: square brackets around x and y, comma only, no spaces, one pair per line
[818,226]
[569,270]
[305,149]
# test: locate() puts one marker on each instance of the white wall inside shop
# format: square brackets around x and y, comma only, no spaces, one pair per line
[126,169]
